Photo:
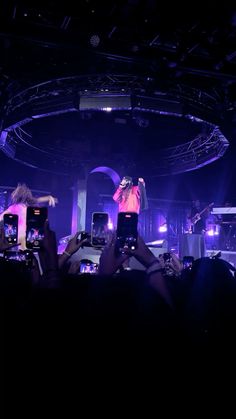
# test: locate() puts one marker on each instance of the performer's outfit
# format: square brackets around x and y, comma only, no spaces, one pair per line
[133,200]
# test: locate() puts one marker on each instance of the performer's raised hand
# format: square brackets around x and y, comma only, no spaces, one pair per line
[141,180]
[52,201]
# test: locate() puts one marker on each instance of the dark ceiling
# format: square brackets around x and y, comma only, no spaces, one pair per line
[187,54]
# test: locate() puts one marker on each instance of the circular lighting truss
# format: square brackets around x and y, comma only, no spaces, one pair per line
[102,93]
[202,150]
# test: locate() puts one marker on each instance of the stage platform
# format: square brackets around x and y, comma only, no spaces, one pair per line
[94,254]
[229,256]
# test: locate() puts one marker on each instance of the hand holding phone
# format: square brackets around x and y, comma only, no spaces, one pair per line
[188,262]
[10,222]
[19,256]
[127,233]
[35,221]
[99,229]
[86,239]
[166,257]
[88,267]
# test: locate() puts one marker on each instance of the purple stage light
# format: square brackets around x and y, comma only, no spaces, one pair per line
[110,225]
[213,231]
[109,172]
[157,243]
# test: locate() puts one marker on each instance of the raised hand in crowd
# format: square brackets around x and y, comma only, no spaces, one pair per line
[110,260]
[48,253]
[143,254]
[74,267]
[72,247]
[173,266]
[155,268]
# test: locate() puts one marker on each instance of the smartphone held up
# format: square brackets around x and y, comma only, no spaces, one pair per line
[88,267]
[35,221]
[99,229]
[10,222]
[127,233]
[188,262]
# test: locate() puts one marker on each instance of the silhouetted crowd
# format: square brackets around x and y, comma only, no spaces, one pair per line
[59,322]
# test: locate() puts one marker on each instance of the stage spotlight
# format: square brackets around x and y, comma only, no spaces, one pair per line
[157,243]
[110,225]
[163,228]
[107,109]
[213,230]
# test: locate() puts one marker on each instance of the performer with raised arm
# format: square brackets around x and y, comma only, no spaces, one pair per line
[21,198]
[131,198]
